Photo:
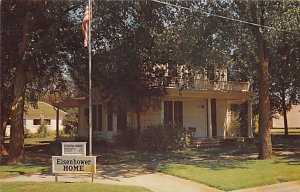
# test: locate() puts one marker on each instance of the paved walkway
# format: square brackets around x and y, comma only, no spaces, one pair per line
[138,175]
[280,187]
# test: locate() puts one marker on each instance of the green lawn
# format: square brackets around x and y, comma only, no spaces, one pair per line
[236,174]
[280,131]
[20,169]
[35,141]
[39,141]
[66,187]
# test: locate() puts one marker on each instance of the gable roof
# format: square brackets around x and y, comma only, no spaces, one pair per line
[44,109]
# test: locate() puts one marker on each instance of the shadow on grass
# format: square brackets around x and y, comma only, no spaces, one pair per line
[288,149]
[128,163]
[114,162]
[13,170]
[114,172]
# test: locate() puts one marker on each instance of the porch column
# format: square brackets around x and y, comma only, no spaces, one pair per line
[57,123]
[250,131]
[209,122]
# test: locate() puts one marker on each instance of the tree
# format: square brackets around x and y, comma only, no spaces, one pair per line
[285,82]
[273,46]
[70,122]
[265,149]
[30,46]
[284,57]
[124,59]
[197,40]
[16,148]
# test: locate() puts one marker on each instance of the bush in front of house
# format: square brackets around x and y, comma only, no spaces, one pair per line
[164,137]
[127,138]
[70,122]
[233,128]
[43,130]
[26,132]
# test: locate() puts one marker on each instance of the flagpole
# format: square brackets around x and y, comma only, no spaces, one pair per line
[90,78]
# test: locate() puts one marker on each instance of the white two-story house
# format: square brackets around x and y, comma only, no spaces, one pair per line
[200,105]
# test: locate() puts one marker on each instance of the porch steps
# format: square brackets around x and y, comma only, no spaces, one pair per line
[205,142]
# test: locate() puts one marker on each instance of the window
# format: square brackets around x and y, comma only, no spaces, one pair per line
[109,119]
[47,121]
[96,117]
[36,121]
[173,112]
[39,121]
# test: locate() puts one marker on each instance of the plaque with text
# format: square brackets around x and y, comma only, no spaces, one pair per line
[74,148]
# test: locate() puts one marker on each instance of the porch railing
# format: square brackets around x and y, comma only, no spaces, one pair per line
[200,84]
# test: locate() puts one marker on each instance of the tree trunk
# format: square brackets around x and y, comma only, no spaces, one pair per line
[16,144]
[265,148]
[138,120]
[286,128]
[284,112]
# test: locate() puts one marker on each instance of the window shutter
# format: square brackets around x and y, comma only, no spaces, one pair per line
[178,112]
[168,111]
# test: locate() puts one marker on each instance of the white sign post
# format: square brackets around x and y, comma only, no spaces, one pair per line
[73,160]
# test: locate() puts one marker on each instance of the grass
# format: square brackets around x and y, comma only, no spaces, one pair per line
[236,174]
[280,131]
[35,161]
[35,140]
[223,167]
[20,169]
[39,141]
[66,187]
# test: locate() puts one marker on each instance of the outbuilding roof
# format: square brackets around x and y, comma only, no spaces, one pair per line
[44,109]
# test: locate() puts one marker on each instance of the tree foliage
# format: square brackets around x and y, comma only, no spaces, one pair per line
[30,50]
[284,58]
[124,55]
[70,122]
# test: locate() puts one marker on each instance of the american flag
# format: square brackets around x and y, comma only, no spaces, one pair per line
[85,26]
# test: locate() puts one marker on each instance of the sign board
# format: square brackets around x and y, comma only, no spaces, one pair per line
[73,148]
[74,164]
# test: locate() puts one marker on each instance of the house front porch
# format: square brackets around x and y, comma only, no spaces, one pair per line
[210,114]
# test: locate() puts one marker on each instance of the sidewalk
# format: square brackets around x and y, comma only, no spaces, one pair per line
[293,186]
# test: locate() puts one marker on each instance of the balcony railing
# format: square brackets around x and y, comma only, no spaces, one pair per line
[208,85]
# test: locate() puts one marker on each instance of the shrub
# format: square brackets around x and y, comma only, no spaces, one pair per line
[70,122]
[164,137]
[26,132]
[127,137]
[43,130]
[233,128]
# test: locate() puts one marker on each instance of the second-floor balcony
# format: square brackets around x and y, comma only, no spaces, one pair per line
[208,85]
